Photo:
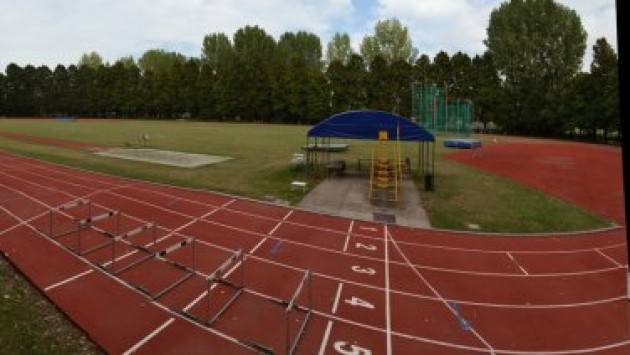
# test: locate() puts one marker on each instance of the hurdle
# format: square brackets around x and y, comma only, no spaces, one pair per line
[161,256]
[292,304]
[55,234]
[219,277]
[116,236]
[88,222]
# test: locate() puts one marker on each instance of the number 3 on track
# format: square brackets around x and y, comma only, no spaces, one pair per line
[360,270]
[344,348]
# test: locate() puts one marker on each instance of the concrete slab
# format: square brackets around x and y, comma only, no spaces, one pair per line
[347,196]
[164,157]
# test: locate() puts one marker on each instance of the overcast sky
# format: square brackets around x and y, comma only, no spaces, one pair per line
[59,31]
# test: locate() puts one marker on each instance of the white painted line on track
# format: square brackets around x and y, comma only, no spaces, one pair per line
[388,312]
[149,336]
[481,304]
[275,228]
[322,347]
[67,280]
[483,251]
[329,325]
[438,295]
[337,296]
[604,347]
[517,263]
[608,257]
[345,244]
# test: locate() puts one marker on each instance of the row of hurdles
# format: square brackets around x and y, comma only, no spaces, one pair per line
[71,223]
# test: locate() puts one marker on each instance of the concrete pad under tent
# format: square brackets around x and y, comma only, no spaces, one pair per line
[346,197]
[164,157]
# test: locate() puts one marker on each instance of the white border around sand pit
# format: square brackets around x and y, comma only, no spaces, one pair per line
[163,157]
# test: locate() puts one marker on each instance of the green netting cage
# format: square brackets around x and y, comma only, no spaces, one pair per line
[439,113]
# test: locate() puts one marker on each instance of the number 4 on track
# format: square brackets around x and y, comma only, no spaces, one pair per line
[357,302]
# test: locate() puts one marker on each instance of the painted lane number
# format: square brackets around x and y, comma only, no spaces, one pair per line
[357,302]
[343,347]
[360,270]
[369,247]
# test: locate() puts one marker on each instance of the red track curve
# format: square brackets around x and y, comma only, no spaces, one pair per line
[386,289]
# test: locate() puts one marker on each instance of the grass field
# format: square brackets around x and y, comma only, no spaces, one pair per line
[261,170]
[29,324]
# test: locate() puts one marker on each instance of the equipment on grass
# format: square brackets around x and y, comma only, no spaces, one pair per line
[436,111]
[386,169]
[462,143]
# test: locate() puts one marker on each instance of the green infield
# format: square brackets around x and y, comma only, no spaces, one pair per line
[261,168]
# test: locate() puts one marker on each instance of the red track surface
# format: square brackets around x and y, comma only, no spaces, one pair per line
[50,141]
[588,175]
[380,288]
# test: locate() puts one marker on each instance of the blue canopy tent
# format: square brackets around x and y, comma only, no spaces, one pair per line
[366,125]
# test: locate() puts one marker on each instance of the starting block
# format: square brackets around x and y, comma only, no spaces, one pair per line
[299,185]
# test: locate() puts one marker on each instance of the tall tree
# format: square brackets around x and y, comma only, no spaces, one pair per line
[216,49]
[391,40]
[252,77]
[91,59]
[485,89]
[605,86]
[422,69]
[442,73]
[538,46]
[339,48]
[160,61]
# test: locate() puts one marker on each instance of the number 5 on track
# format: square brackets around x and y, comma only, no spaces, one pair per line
[344,348]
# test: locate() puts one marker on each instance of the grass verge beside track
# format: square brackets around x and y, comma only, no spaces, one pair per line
[261,170]
[30,324]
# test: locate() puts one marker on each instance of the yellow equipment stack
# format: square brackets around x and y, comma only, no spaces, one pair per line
[386,170]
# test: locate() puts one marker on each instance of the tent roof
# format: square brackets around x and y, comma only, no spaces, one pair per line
[366,124]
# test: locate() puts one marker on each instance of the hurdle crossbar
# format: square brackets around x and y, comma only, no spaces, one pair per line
[114,237]
[292,304]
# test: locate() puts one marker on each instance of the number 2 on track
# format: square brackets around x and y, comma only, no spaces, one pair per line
[369,247]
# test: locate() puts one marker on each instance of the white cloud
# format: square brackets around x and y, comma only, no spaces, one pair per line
[455,25]
[50,32]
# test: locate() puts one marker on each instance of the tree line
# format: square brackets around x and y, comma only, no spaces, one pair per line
[528,81]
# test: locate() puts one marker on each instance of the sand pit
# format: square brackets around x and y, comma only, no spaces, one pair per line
[164,157]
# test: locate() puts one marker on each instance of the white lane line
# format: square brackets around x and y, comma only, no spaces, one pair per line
[258,245]
[438,295]
[517,263]
[47,166]
[388,313]
[322,347]
[324,344]
[457,271]
[338,232]
[429,340]
[69,279]
[608,257]
[345,244]
[149,337]
[124,284]
[275,228]
[481,304]
[337,297]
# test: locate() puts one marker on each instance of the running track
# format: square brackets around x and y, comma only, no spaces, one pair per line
[376,289]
